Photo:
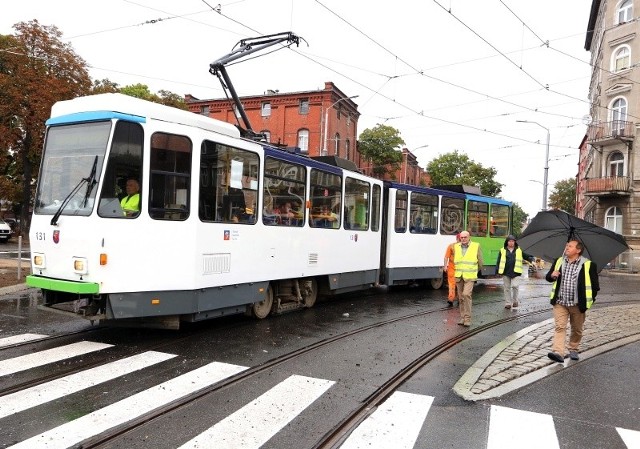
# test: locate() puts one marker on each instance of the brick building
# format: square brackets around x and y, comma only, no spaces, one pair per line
[317,123]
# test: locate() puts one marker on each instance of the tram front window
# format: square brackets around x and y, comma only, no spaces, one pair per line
[71,166]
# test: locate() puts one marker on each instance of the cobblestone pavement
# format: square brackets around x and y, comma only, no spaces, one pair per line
[521,358]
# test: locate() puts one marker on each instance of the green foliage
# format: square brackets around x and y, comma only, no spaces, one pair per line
[455,168]
[563,195]
[519,218]
[380,146]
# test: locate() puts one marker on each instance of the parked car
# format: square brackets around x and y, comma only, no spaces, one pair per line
[13,223]
[5,231]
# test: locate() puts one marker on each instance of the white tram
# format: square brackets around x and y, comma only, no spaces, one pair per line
[225,225]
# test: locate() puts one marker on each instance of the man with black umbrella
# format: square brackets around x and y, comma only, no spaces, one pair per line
[574,290]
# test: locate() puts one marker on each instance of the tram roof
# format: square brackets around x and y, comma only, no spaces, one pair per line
[113,105]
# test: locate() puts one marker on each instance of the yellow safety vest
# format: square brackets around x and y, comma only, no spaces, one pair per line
[503,260]
[131,203]
[467,265]
[587,282]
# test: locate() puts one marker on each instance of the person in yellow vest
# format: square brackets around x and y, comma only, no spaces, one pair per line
[509,266]
[467,258]
[131,203]
[574,289]
[449,269]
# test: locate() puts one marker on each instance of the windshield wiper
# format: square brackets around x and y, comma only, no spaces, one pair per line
[90,181]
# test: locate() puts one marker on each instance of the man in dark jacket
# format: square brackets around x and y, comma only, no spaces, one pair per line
[509,266]
[575,286]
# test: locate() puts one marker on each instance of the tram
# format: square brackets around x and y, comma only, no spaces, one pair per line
[224,224]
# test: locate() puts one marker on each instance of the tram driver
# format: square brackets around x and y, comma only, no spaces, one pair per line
[131,203]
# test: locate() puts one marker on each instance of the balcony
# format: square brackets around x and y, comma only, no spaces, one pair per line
[608,133]
[608,187]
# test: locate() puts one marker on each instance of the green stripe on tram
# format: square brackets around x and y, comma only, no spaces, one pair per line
[63,286]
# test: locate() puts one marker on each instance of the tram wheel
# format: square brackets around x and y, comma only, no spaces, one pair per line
[436,283]
[310,292]
[262,309]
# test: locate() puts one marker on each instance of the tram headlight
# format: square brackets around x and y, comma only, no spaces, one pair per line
[80,265]
[39,261]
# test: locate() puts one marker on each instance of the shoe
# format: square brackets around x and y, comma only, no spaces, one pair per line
[507,306]
[556,357]
[514,305]
[449,303]
[466,323]
[461,323]
[573,355]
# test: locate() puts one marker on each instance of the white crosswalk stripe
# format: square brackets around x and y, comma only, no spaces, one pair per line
[49,391]
[273,410]
[94,423]
[396,423]
[25,362]
[506,430]
[630,437]
[22,338]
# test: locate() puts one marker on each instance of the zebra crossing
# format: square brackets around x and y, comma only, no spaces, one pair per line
[395,423]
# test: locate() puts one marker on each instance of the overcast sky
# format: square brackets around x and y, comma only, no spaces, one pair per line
[450,74]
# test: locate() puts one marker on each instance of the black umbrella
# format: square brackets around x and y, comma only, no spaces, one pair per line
[550,230]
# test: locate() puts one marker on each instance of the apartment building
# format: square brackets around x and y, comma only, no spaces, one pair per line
[608,188]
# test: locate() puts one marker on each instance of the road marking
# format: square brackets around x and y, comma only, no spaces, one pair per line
[631,438]
[273,410]
[46,392]
[76,431]
[8,341]
[396,423]
[509,428]
[25,362]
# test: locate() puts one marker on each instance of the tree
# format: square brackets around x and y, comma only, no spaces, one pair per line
[563,195]
[380,146]
[163,97]
[519,217]
[456,168]
[36,70]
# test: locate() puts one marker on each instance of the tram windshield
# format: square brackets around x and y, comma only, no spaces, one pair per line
[72,154]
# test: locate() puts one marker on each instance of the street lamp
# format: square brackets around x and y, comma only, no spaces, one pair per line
[545,184]
[326,122]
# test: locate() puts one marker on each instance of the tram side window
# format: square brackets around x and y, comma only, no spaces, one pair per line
[356,204]
[500,220]
[122,191]
[170,176]
[400,221]
[228,184]
[477,218]
[375,207]
[424,213]
[451,215]
[283,193]
[325,205]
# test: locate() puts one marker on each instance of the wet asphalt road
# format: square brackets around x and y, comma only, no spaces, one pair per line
[586,400]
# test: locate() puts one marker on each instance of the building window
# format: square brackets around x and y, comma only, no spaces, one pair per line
[618,115]
[625,11]
[621,59]
[304,106]
[303,140]
[336,150]
[613,219]
[266,109]
[347,149]
[616,164]
[204,110]
[267,135]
